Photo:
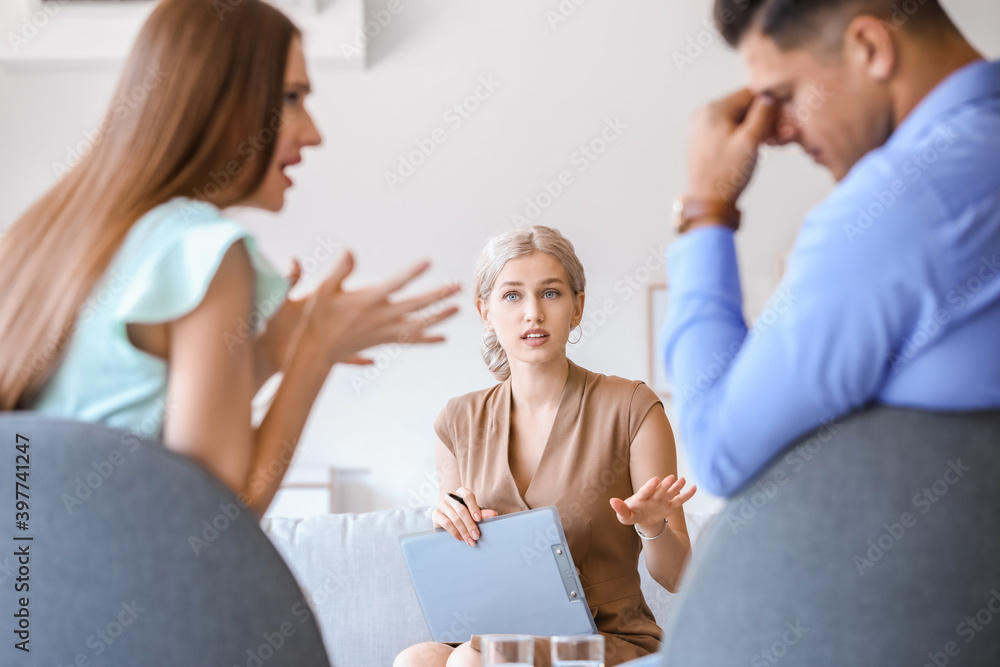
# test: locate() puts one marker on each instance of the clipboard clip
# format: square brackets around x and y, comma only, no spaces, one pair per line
[561,555]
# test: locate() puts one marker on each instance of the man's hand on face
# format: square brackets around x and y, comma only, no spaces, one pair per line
[725,138]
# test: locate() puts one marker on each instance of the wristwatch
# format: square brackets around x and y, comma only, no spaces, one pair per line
[689,210]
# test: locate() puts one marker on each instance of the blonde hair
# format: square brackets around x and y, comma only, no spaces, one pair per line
[196,86]
[512,245]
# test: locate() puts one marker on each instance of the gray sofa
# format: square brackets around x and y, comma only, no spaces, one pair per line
[352,569]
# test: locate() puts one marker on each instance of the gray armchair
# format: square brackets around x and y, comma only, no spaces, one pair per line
[132,555]
[872,541]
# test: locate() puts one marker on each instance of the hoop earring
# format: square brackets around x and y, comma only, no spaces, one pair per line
[574,342]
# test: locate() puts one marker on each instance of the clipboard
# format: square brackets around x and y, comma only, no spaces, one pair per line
[518,579]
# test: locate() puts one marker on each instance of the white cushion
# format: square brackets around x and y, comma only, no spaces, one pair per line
[352,571]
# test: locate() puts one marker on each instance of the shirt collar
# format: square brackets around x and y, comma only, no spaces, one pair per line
[971,82]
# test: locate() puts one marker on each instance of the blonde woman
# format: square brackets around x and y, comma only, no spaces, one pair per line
[127,297]
[598,447]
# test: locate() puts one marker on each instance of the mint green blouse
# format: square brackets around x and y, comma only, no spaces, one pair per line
[161,272]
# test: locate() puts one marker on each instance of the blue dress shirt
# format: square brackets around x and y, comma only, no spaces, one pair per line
[892,295]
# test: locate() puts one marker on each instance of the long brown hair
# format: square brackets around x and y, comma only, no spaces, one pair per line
[195,114]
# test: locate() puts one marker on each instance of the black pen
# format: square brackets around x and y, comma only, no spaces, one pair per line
[461,500]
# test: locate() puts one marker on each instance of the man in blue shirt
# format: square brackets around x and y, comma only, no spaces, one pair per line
[892,292]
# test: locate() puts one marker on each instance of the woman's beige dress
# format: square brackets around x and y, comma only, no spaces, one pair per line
[585,463]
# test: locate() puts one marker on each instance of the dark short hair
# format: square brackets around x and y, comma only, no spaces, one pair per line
[792,23]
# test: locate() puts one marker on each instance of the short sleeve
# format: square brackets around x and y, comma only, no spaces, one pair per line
[443,426]
[167,270]
[643,400]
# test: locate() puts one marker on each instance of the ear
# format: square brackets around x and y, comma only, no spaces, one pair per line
[578,301]
[869,44]
[484,312]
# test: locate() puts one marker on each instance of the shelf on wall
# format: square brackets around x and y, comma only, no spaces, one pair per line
[61,34]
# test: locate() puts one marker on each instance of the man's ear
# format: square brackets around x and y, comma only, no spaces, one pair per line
[869,44]
[484,312]
[578,301]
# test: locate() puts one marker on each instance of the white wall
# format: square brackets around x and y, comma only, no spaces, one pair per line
[608,60]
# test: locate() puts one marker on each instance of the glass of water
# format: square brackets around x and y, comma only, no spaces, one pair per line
[510,650]
[582,651]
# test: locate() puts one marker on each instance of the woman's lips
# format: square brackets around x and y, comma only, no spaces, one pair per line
[284,165]
[535,338]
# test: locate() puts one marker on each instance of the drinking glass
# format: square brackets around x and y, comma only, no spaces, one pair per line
[510,650]
[580,651]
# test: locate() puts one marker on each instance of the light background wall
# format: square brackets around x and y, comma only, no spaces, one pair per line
[558,86]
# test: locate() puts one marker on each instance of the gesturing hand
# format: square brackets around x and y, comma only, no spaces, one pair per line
[653,503]
[725,137]
[343,323]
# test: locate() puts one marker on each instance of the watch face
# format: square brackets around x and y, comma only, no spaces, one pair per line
[678,217]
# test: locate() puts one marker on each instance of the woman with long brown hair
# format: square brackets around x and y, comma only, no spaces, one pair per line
[127,297]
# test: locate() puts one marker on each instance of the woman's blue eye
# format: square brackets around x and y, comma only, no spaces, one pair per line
[291,98]
[508,295]
[552,292]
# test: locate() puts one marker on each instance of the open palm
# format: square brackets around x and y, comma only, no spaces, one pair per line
[654,501]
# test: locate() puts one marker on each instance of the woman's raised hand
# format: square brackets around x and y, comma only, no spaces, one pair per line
[653,502]
[343,323]
[458,519]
